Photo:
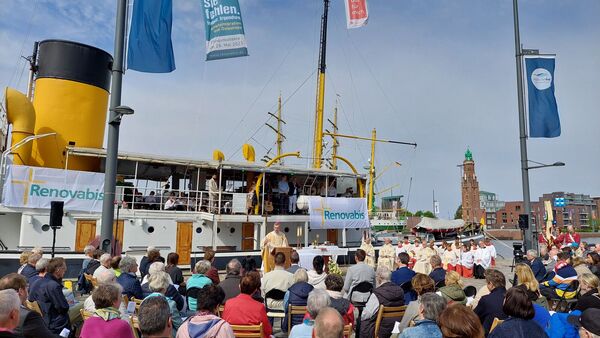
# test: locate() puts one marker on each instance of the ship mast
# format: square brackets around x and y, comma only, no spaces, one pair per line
[278,131]
[318,135]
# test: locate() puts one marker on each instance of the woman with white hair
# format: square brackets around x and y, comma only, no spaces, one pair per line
[317,300]
[105,261]
[198,280]
[296,295]
[171,292]
[158,283]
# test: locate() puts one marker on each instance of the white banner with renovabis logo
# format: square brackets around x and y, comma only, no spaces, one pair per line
[338,212]
[33,187]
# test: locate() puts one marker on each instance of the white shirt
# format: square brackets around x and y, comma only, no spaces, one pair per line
[492,251]
[483,257]
[467,259]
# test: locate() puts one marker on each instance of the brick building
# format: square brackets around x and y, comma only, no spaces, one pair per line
[471,210]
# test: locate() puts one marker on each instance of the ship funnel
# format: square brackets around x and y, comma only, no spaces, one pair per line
[21,114]
[248,152]
[71,99]
[218,155]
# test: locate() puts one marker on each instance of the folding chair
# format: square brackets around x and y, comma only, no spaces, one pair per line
[395,312]
[294,310]
[247,331]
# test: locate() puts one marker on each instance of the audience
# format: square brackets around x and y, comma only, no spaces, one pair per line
[564,274]
[205,322]
[107,320]
[172,292]
[580,265]
[107,277]
[490,306]
[430,309]
[40,267]
[243,310]
[328,324]
[105,261]
[360,272]
[151,253]
[29,270]
[114,265]
[593,261]
[334,284]
[23,258]
[94,263]
[519,324]
[48,293]
[587,324]
[317,300]
[524,276]
[387,294]
[128,278]
[294,259]
[537,267]
[458,321]
[296,295]
[158,283]
[231,283]
[275,283]
[403,275]
[453,289]
[438,274]
[317,276]
[154,317]
[9,312]
[248,265]
[213,273]
[31,323]
[421,284]
[174,271]
[589,292]
[198,280]
[88,251]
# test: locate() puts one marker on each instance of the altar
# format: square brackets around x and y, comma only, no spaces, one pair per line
[309,253]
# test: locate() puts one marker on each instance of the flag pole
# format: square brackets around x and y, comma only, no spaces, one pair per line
[114,122]
[528,242]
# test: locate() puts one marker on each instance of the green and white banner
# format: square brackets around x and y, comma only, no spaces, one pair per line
[337,212]
[34,187]
[224,29]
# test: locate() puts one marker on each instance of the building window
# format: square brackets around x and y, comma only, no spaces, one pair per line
[518,207]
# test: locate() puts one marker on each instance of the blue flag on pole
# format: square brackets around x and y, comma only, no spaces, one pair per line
[150,48]
[543,111]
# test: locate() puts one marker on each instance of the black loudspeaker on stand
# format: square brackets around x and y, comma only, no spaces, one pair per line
[56,215]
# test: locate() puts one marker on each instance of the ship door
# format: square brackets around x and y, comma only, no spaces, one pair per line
[332,236]
[86,232]
[247,236]
[118,230]
[184,241]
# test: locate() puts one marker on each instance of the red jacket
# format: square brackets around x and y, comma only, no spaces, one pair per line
[213,274]
[243,310]
[566,239]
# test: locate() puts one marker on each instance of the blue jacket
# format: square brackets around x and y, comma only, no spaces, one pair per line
[423,328]
[29,271]
[490,307]
[518,328]
[48,293]
[438,275]
[538,268]
[131,286]
[559,326]
[297,294]
[196,281]
[542,316]
[402,275]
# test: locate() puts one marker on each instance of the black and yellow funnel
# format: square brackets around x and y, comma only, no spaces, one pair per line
[70,99]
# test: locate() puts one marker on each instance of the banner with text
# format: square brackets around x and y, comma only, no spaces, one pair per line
[357,14]
[33,187]
[224,29]
[338,212]
[543,110]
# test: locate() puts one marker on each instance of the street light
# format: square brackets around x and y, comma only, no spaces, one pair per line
[119,112]
[542,165]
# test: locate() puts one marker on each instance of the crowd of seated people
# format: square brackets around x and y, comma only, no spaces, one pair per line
[523,307]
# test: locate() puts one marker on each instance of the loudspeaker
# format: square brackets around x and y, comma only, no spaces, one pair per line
[56,213]
[523,222]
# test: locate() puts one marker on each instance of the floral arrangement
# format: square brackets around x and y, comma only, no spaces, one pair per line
[333,268]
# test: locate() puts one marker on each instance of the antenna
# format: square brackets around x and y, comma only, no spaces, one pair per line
[280,121]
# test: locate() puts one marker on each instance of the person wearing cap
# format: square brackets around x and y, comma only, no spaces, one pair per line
[274,239]
[588,323]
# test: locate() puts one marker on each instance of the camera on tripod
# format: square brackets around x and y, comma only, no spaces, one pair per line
[518,254]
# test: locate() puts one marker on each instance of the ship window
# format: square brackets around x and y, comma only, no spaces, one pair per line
[218,229]
[286,229]
[232,230]
[199,230]
[150,229]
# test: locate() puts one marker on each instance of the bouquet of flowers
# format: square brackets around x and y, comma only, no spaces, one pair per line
[333,268]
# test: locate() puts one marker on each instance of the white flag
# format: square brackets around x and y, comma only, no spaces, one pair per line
[357,13]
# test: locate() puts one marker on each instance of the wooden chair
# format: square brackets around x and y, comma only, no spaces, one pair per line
[220,310]
[85,314]
[294,310]
[134,322]
[395,312]
[91,279]
[138,302]
[34,306]
[347,330]
[495,323]
[247,331]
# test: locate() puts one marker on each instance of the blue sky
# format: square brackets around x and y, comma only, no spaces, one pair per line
[437,72]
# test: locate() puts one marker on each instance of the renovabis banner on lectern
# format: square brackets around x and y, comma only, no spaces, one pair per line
[34,187]
[543,110]
[337,212]
[224,29]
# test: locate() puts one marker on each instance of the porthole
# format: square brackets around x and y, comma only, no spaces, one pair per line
[232,230]
[199,230]
[286,229]
[150,229]
[218,229]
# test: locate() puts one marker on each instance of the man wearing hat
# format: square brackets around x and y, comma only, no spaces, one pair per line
[588,323]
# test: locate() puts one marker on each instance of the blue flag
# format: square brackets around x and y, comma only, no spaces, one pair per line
[543,111]
[150,48]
